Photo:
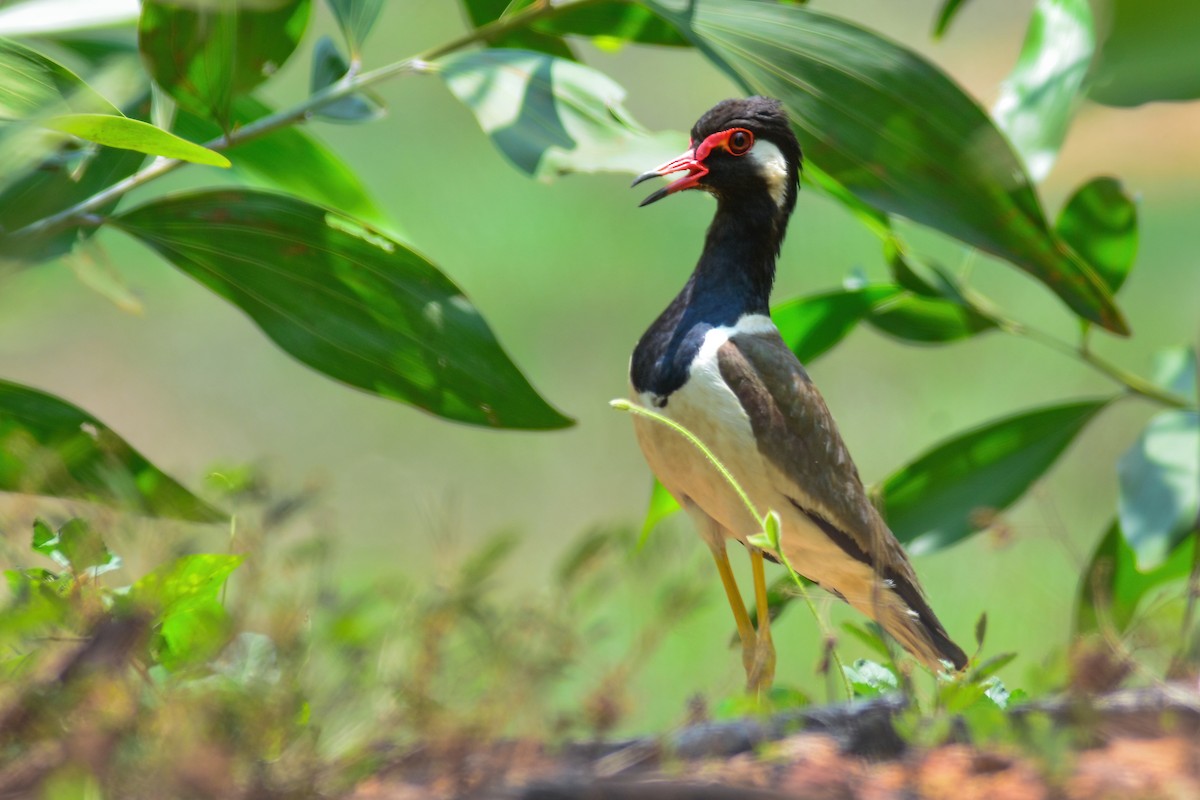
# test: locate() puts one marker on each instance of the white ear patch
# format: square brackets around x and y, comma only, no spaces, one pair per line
[771,164]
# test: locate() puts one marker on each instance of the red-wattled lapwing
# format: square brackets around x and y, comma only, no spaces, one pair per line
[714,362]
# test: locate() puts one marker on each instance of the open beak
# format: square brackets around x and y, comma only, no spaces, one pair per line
[688,161]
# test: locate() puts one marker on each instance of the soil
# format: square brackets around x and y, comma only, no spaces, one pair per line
[1130,744]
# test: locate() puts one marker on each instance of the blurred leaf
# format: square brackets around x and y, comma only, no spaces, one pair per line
[75,545]
[990,667]
[870,638]
[481,12]
[615,21]
[271,162]
[551,117]
[56,184]
[53,17]
[1113,584]
[942,496]
[37,602]
[925,150]
[903,273]
[328,68]
[50,447]
[812,325]
[43,172]
[93,267]
[662,505]
[946,14]
[192,625]
[913,318]
[132,134]
[869,679]
[1100,222]
[346,300]
[481,566]
[1149,53]
[34,85]
[1159,500]
[1175,371]
[981,626]
[1039,97]
[206,55]
[356,18]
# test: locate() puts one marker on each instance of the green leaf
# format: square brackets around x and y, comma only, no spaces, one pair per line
[346,300]
[356,18]
[39,18]
[205,55]
[1159,477]
[869,637]
[75,545]
[812,325]
[271,162]
[990,667]
[662,505]
[58,183]
[869,679]
[1149,53]
[1112,587]
[952,490]
[37,602]
[33,85]
[192,625]
[929,320]
[946,14]
[612,22]
[50,447]
[551,117]
[895,131]
[328,68]
[1100,223]
[132,134]
[1040,96]
[481,12]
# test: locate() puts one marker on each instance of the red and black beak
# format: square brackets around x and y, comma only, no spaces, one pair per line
[688,161]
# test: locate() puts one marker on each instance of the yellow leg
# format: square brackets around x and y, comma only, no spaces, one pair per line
[763,671]
[745,629]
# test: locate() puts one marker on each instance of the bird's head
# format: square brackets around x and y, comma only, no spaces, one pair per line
[742,151]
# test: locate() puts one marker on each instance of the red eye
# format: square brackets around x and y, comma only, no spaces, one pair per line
[740,141]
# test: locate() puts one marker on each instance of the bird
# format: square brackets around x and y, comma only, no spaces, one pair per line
[714,363]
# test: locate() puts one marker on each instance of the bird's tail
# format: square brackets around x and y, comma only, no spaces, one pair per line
[901,609]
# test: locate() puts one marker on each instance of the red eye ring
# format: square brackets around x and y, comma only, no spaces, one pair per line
[739,141]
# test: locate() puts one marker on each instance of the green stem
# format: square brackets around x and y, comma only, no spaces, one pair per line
[641,411]
[1132,383]
[352,82]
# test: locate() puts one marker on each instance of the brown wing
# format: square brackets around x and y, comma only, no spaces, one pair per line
[797,435]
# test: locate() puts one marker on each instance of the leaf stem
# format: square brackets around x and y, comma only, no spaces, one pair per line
[350,83]
[1133,384]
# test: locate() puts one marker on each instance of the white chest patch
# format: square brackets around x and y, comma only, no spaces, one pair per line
[771,164]
[707,407]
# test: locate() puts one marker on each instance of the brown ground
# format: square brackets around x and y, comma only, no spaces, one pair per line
[1128,745]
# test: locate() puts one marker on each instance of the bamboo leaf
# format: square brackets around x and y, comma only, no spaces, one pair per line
[953,489]
[894,130]
[346,300]
[50,447]
[132,134]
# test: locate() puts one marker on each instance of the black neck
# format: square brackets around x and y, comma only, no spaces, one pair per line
[733,278]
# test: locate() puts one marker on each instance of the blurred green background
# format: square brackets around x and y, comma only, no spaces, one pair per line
[569,274]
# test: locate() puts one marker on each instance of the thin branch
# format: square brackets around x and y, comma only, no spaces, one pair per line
[1132,383]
